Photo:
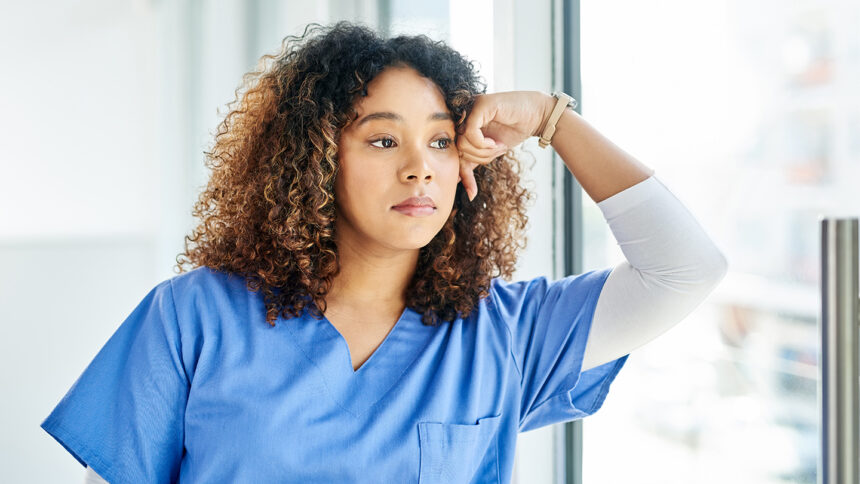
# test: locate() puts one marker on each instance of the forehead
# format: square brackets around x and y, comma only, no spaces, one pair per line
[401,88]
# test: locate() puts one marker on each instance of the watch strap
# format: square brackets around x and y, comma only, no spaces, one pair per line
[563,101]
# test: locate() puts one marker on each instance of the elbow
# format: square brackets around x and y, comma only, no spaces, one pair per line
[710,275]
[695,280]
[710,270]
[719,267]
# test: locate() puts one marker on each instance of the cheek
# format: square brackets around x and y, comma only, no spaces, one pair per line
[355,173]
[348,188]
[353,177]
[346,183]
[449,168]
[449,175]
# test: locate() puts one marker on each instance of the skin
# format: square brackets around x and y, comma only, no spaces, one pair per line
[506,119]
[383,161]
[378,247]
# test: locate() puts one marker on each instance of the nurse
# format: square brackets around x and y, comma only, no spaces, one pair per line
[348,315]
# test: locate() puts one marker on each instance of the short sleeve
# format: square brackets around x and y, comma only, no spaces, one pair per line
[124,416]
[549,323]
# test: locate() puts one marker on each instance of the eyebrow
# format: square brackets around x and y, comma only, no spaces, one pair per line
[396,117]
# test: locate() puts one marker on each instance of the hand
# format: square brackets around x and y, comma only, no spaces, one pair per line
[497,123]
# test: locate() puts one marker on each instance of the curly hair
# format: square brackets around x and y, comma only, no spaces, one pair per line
[267,211]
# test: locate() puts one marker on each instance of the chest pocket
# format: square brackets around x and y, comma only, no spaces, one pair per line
[459,452]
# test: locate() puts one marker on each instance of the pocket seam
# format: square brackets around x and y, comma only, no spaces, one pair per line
[435,444]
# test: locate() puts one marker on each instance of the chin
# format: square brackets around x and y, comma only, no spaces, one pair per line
[411,239]
[414,242]
[416,234]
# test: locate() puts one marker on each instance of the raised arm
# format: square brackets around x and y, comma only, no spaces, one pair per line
[602,168]
[501,121]
[672,264]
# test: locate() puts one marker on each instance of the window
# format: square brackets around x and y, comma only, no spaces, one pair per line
[746,111]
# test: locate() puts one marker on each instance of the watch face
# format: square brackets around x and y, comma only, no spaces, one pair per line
[571,103]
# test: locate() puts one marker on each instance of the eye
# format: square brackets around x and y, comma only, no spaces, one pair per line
[386,142]
[445,142]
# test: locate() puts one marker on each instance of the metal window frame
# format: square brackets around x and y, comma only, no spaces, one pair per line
[568,78]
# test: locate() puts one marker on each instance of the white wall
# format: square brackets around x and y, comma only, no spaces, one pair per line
[107,109]
[79,205]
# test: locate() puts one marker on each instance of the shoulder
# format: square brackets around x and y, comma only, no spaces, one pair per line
[206,281]
[510,300]
[500,288]
[586,280]
[205,277]
[205,290]
[511,297]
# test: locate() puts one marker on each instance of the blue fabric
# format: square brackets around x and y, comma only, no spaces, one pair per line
[195,386]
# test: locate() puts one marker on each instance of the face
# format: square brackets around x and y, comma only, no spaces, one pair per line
[401,145]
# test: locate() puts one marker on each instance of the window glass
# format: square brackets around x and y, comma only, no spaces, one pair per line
[747,112]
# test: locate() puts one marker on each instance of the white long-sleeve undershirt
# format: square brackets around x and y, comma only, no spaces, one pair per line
[671,266]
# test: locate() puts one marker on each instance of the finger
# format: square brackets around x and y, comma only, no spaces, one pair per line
[473,190]
[466,175]
[465,168]
[477,119]
[470,184]
[478,160]
[465,146]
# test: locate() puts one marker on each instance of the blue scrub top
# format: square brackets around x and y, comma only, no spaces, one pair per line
[195,386]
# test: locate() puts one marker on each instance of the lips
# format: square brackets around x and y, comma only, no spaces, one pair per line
[423,201]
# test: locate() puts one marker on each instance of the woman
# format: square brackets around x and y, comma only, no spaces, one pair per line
[365,203]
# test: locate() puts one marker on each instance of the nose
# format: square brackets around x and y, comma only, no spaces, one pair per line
[418,165]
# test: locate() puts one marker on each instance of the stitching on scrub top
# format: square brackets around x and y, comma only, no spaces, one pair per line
[178,330]
[604,388]
[594,307]
[322,378]
[70,437]
[498,457]
[493,304]
[397,380]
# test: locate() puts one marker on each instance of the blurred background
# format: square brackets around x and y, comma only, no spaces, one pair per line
[747,111]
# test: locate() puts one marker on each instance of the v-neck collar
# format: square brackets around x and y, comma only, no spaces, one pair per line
[356,391]
[331,326]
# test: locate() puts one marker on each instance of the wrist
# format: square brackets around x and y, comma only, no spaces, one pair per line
[562,102]
[566,124]
[546,103]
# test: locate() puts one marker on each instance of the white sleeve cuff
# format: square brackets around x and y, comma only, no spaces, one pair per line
[631,197]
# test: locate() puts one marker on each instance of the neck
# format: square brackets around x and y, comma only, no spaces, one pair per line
[370,278]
